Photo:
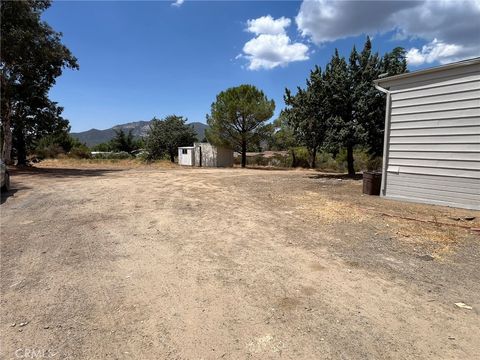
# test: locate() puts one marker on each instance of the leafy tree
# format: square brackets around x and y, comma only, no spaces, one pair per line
[123,141]
[103,147]
[372,102]
[306,114]
[165,136]
[343,129]
[32,57]
[283,137]
[238,118]
[54,144]
[394,62]
[341,109]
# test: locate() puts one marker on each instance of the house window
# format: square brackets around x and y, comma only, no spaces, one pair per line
[184,151]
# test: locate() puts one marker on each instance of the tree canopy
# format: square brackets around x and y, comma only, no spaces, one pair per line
[32,57]
[165,136]
[305,113]
[283,137]
[238,118]
[340,108]
[124,141]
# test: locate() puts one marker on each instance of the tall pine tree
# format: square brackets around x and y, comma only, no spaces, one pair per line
[306,113]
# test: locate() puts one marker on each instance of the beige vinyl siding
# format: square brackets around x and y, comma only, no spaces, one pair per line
[437,123]
[435,189]
[434,138]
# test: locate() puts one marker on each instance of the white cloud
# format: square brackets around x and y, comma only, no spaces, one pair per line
[454,23]
[271,47]
[178,3]
[269,51]
[268,25]
[432,52]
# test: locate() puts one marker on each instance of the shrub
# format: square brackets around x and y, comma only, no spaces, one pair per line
[112,155]
[80,152]
[375,164]
[48,151]
[53,145]
[301,157]
[360,156]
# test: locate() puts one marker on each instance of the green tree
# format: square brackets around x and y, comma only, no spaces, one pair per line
[57,143]
[306,113]
[372,101]
[283,137]
[343,129]
[123,141]
[32,57]
[238,118]
[102,147]
[357,109]
[341,109]
[165,136]
[394,62]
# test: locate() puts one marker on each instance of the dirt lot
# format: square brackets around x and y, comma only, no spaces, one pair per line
[169,263]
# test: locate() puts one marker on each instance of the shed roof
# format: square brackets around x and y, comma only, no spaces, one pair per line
[431,70]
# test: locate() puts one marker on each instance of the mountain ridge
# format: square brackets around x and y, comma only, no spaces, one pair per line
[139,129]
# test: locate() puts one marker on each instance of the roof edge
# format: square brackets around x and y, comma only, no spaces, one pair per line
[472,61]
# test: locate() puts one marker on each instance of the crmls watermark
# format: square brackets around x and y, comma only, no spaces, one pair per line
[33,353]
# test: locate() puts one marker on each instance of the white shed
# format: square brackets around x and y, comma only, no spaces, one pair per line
[432,135]
[205,155]
[186,155]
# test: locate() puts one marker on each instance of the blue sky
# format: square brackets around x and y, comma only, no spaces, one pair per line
[144,59]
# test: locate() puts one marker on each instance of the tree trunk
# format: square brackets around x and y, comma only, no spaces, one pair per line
[172,157]
[313,157]
[20,148]
[7,137]
[351,168]
[294,159]
[244,153]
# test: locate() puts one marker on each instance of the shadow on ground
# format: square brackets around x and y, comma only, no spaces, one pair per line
[336,176]
[270,168]
[6,194]
[61,172]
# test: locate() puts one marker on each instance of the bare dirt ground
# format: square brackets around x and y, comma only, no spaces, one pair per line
[170,263]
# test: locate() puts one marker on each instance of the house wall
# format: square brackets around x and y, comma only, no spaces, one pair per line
[185,159]
[207,155]
[433,148]
[224,157]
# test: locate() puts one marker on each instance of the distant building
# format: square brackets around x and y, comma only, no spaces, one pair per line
[205,155]
[432,135]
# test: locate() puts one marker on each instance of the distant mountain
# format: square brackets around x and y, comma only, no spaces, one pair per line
[139,129]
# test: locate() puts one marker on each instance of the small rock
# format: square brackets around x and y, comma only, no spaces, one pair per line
[463,218]
[426,257]
[23,324]
[46,327]
[451,338]
[461,305]
[13,324]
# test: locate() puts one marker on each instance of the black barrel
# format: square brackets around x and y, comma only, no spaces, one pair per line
[372,180]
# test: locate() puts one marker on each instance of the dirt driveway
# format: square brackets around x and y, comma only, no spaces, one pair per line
[231,264]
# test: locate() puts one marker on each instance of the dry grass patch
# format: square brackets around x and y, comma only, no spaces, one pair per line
[105,163]
[441,238]
[328,210]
